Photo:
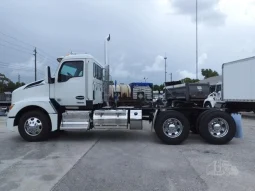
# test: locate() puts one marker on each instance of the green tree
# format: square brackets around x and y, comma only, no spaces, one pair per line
[207,73]
[161,87]
[158,87]
[155,87]
[189,80]
[6,85]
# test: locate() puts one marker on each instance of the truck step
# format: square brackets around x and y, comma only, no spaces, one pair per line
[74,125]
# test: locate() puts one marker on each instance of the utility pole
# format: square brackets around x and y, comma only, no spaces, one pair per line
[18,78]
[35,52]
[165,68]
[196,45]
[170,76]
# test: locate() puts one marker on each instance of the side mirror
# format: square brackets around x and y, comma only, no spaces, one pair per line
[48,78]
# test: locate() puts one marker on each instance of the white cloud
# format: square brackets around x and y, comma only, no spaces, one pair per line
[242,12]
[118,70]
[202,58]
[209,12]
[186,74]
[157,66]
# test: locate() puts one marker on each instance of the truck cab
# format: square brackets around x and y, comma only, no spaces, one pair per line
[77,85]
[214,97]
[78,82]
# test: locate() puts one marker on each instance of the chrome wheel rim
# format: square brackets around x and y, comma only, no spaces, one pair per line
[218,127]
[172,127]
[33,126]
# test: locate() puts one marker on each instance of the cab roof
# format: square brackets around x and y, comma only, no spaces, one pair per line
[76,56]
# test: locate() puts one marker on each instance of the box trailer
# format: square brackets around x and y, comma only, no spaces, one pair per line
[238,84]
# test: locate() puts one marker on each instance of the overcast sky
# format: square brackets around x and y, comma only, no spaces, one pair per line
[142,31]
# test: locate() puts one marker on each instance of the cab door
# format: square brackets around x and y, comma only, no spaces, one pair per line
[70,84]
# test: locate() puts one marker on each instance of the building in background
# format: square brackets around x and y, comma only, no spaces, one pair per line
[212,81]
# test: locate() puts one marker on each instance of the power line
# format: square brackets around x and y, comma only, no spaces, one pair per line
[48,55]
[27,70]
[15,48]
[16,44]
[8,65]
[22,68]
[16,39]
[47,58]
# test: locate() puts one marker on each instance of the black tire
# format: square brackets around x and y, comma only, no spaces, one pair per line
[162,117]
[201,117]
[208,105]
[204,127]
[45,126]
[194,130]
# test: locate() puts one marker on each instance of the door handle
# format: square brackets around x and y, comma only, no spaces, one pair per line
[79,97]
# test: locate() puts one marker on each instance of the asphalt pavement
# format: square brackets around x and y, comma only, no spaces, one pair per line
[125,160]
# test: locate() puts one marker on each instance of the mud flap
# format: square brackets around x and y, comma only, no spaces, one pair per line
[239,129]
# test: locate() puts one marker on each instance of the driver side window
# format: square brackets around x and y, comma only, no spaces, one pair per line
[70,69]
[218,88]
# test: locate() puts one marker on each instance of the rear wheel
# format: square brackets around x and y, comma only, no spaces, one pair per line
[172,127]
[217,127]
[196,129]
[34,126]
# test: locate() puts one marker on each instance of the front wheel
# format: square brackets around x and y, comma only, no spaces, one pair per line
[172,127]
[34,126]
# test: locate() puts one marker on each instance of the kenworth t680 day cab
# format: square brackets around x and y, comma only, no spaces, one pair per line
[41,107]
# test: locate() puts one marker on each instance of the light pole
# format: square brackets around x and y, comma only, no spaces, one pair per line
[196,45]
[145,79]
[165,68]
[106,49]
[107,69]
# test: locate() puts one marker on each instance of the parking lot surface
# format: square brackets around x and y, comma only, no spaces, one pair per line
[125,160]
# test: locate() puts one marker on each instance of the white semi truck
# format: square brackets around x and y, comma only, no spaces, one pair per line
[41,107]
[214,97]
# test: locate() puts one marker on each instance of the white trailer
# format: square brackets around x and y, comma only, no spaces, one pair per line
[238,85]
[48,105]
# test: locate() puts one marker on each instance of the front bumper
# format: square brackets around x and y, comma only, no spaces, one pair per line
[10,123]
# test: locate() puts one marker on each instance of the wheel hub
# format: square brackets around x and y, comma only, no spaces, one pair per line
[218,127]
[33,126]
[172,127]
